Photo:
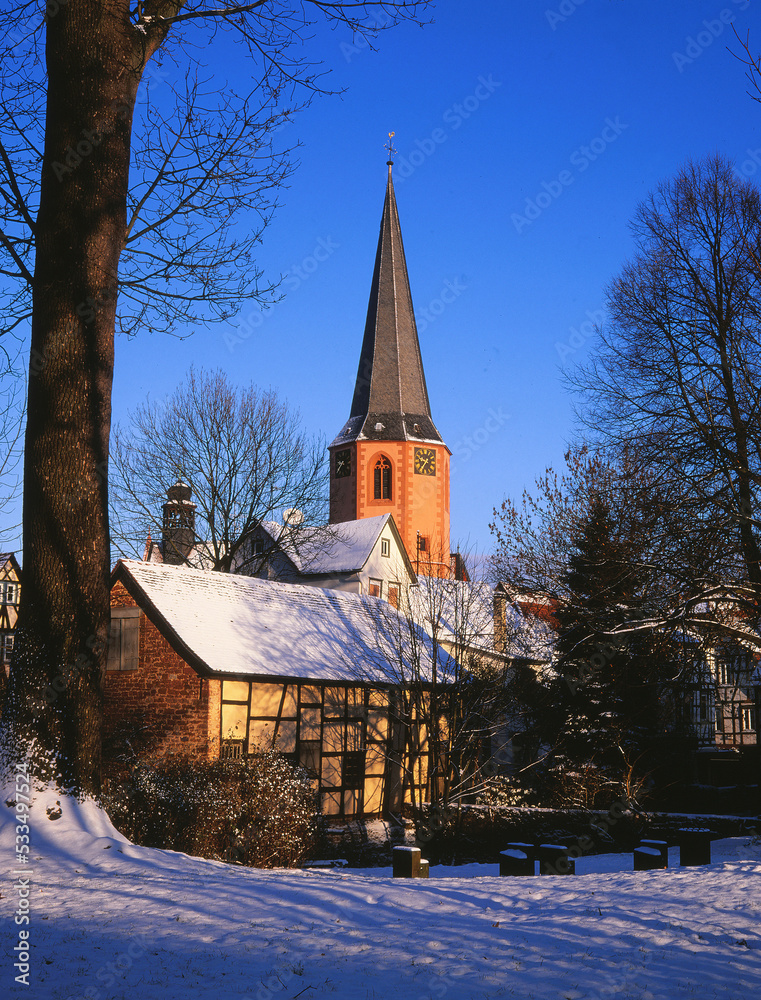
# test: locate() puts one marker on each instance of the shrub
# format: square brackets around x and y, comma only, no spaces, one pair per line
[500,791]
[258,811]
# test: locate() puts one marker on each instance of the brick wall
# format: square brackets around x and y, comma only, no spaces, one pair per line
[167,694]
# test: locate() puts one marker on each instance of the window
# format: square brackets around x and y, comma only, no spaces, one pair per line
[703,706]
[257,549]
[354,769]
[422,543]
[382,479]
[393,595]
[9,593]
[6,646]
[747,718]
[376,588]
[124,639]
[734,670]
[385,547]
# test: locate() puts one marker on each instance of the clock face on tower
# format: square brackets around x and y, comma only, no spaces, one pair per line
[425,461]
[343,464]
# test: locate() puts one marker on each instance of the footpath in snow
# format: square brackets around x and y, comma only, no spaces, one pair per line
[111,921]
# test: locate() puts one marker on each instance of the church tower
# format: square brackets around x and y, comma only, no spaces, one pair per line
[389,457]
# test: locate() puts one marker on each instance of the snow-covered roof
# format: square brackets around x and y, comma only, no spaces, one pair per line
[229,624]
[337,548]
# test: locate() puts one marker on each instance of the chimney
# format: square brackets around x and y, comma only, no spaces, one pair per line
[179,534]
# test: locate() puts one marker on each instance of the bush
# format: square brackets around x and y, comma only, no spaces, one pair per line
[500,791]
[257,811]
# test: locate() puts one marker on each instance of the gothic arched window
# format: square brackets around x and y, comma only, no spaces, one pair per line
[382,479]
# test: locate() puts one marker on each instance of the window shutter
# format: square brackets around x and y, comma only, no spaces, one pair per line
[123,639]
[130,643]
[114,644]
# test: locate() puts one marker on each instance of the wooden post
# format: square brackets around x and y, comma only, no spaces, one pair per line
[695,847]
[406,862]
[554,860]
[659,845]
[515,862]
[528,849]
[647,859]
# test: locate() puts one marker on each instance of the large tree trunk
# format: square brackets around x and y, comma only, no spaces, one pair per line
[54,694]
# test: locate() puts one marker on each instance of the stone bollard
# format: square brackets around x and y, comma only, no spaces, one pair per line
[694,847]
[528,849]
[658,845]
[515,862]
[647,859]
[554,860]
[406,862]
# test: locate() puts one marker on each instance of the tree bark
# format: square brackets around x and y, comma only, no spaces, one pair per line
[55,690]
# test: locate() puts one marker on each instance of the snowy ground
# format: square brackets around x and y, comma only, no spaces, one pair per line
[109,921]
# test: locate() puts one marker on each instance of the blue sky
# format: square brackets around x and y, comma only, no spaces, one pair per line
[527,132]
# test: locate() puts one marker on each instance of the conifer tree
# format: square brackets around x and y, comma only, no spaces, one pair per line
[607,691]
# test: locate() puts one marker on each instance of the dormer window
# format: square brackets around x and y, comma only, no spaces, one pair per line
[382,479]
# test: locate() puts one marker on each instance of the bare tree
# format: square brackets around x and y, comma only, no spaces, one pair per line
[453,658]
[678,366]
[98,188]
[245,458]
[604,548]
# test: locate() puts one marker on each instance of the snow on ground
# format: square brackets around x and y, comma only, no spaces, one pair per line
[110,921]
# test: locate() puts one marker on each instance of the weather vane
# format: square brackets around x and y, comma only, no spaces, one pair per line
[389,147]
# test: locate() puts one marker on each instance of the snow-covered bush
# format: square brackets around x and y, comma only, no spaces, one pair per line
[258,811]
[501,791]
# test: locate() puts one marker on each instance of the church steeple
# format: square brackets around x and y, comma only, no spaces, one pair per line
[389,457]
[390,396]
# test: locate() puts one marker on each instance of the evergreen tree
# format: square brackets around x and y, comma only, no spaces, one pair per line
[607,687]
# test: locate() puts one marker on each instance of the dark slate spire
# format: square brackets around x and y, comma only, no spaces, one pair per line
[390,398]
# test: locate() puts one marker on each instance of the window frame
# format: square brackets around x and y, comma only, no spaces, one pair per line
[752,722]
[382,481]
